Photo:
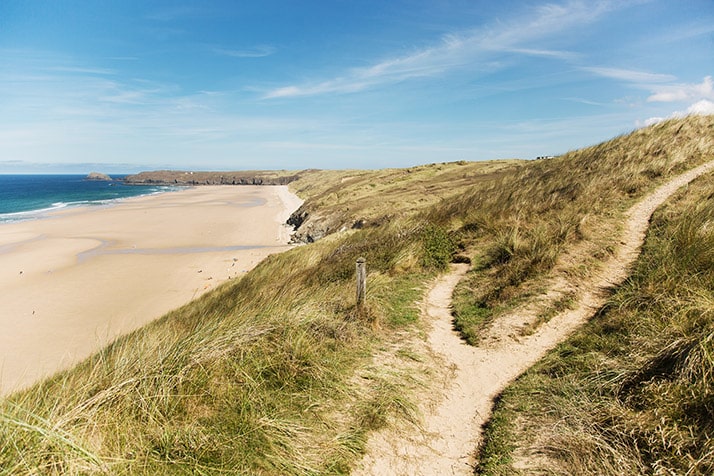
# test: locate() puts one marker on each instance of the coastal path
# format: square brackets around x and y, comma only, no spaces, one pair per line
[445,441]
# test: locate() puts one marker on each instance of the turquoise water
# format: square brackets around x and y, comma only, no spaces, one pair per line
[24,197]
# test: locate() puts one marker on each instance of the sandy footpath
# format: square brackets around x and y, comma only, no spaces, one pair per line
[77,279]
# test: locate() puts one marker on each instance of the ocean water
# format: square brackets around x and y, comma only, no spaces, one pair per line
[24,197]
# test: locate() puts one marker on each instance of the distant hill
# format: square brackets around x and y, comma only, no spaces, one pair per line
[175,177]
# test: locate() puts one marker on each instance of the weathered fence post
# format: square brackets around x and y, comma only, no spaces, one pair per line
[361,282]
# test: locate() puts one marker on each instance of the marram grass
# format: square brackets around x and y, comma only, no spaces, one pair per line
[520,224]
[633,391]
[253,378]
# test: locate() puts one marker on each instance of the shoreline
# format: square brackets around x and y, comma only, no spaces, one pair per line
[76,279]
[47,204]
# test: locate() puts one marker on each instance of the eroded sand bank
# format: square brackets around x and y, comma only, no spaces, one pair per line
[74,281]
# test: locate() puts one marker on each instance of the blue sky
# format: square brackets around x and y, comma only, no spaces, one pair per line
[122,86]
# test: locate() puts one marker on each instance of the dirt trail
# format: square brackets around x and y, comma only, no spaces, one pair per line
[445,442]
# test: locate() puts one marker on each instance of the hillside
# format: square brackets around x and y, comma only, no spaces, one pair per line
[631,392]
[279,373]
[451,422]
[355,199]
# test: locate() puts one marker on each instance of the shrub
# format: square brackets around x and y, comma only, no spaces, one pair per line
[438,247]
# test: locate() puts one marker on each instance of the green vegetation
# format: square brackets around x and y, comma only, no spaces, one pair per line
[274,374]
[633,391]
[439,247]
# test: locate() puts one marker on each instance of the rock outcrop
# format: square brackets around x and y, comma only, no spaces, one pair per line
[308,227]
[99,176]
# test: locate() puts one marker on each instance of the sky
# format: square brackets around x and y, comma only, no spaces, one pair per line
[123,86]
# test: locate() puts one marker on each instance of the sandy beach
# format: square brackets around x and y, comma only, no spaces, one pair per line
[75,280]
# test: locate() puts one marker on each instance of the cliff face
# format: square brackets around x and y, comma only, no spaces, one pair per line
[308,226]
[171,177]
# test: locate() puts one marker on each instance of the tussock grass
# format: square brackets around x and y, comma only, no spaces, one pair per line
[521,223]
[632,392]
[218,385]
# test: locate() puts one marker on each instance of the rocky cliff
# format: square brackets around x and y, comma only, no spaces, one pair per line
[309,225]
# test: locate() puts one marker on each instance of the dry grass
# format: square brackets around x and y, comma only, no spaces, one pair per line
[356,199]
[241,381]
[632,392]
[520,225]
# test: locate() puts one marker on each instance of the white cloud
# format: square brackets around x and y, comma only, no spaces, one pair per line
[630,75]
[702,107]
[651,121]
[474,48]
[698,95]
[683,92]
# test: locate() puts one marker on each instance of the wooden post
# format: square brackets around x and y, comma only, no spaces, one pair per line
[361,282]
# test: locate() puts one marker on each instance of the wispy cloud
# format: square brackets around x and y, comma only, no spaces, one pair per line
[662,89]
[563,55]
[629,75]
[81,70]
[255,52]
[583,101]
[46,86]
[474,48]
[684,32]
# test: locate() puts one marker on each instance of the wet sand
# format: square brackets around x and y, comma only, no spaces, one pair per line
[77,279]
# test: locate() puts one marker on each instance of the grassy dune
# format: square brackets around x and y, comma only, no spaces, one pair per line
[366,198]
[519,227]
[632,392]
[271,374]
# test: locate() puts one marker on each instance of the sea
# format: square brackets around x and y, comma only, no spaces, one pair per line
[27,197]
